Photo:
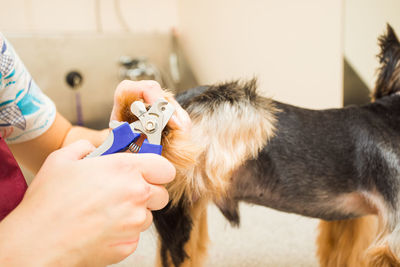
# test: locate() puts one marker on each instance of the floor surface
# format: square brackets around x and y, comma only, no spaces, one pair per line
[265,238]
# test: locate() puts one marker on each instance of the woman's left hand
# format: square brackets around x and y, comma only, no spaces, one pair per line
[148,91]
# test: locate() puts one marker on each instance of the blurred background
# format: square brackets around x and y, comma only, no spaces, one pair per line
[310,53]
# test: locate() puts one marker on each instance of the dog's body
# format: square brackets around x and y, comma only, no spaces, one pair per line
[323,163]
[330,164]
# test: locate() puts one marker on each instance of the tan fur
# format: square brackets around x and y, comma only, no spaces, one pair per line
[228,137]
[345,243]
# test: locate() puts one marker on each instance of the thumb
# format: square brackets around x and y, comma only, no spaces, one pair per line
[76,150]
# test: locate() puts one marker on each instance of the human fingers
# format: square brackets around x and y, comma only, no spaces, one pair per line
[148,222]
[155,169]
[129,91]
[152,168]
[130,232]
[158,197]
[119,251]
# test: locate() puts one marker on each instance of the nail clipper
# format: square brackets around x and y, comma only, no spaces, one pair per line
[150,124]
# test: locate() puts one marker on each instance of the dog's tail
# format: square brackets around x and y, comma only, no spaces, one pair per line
[345,243]
[388,81]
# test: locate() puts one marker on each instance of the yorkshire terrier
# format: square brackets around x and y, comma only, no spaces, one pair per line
[338,165]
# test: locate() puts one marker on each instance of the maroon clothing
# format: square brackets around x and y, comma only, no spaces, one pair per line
[12,181]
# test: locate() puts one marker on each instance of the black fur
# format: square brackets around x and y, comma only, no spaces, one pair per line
[234,93]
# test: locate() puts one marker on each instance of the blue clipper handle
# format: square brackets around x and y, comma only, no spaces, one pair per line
[121,136]
[150,148]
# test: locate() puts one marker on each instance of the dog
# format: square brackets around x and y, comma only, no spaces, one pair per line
[339,165]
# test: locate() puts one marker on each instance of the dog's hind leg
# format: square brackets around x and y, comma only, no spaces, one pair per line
[196,247]
[344,243]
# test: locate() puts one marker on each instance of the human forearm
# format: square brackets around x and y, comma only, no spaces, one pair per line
[96,137]
[31,154]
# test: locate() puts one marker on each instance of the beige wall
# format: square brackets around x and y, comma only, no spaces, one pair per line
[294,47]
[77,16]
[364,21]
[312,28]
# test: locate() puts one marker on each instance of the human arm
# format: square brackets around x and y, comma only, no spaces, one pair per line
[32,153]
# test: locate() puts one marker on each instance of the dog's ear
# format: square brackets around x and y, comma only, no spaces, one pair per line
[388,81]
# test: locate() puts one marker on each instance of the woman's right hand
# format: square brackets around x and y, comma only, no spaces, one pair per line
[85,211]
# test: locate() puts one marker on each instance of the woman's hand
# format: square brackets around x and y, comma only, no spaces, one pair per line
[85,211]
[149,91]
